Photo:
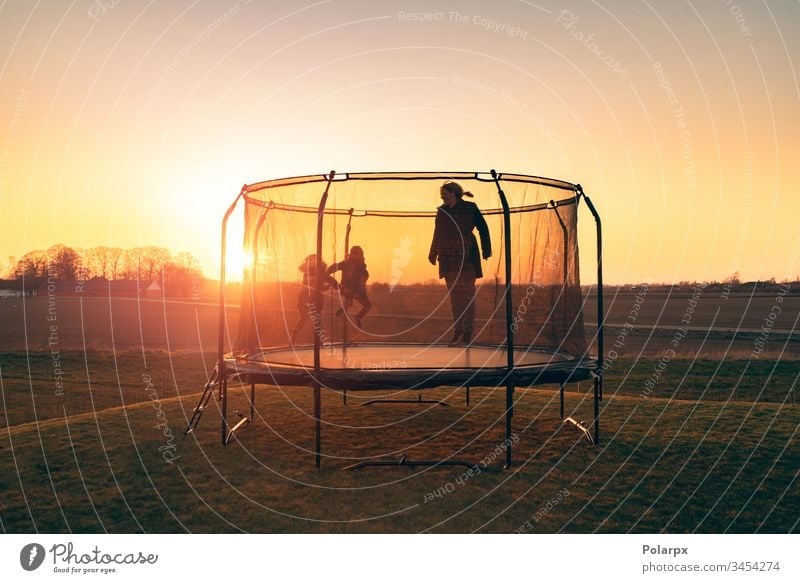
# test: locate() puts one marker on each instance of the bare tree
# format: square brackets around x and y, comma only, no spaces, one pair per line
[62,262]
[98,260]
[153,261]
[114,261]
[180,274]
[33,265]
[131,262]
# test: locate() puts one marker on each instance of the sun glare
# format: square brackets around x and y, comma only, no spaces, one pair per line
[237,260]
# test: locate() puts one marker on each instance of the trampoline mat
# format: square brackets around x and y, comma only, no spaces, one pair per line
[366,366]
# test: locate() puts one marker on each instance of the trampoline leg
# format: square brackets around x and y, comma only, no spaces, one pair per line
[223,396]
[562,401]
[318,427]
[509,415]
[344,397]
[252,401]
[467,395]
[597,392]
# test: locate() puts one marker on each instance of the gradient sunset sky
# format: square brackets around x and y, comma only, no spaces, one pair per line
[127,123]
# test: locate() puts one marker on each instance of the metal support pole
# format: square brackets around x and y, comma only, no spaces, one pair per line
[598,380]
[317,342]
[562,400]
[223,382]
[466,397]
[509,318]
[317,426]
[252,401]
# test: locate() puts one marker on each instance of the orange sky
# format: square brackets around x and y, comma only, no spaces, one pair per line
[126,123]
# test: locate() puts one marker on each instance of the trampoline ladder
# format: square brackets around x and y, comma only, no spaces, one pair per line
[202,403]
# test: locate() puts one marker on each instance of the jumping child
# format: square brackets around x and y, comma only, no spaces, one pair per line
[354,283]
[307,307]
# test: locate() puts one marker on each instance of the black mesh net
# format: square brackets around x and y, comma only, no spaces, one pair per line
[394,294]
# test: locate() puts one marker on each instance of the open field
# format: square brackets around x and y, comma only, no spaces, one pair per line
[664,466]
[704,443]
[717,327]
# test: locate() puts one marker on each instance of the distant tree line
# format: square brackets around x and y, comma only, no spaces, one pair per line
[177,273]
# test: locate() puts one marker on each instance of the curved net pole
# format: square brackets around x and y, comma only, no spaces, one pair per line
[509,316]
[253,272]
[344,258]
[565,267]
[222,377]
[598,376]
[345,319]
[317,291]
[564,287]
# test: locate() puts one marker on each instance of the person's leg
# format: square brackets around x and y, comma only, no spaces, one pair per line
[468,292]
[464,301]
[366,305]
[315,312]
[346,305]
[302,315]
[451,279]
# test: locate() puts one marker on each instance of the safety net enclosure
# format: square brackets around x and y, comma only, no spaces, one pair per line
[349,284]
[391,217]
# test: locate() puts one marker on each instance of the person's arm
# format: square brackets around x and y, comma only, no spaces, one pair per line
[483,231]
[432,254]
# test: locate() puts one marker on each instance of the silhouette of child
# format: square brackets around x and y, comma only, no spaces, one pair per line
[354,283]
[310,300]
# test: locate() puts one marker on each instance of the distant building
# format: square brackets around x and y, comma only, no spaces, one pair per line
[154,290]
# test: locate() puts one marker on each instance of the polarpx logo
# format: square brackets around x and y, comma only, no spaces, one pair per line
[31,556]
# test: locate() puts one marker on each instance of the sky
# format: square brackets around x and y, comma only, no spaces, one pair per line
[127,123]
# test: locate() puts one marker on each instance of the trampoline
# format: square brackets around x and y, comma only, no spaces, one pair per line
[377,366]
[299,325]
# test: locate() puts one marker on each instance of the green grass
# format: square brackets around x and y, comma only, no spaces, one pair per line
[667,463]
[728,379]
[94,380]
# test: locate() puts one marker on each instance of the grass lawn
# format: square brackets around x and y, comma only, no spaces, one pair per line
[711,449]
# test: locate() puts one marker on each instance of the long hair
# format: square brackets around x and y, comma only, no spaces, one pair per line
[309,265]
[455,188]
[356,254]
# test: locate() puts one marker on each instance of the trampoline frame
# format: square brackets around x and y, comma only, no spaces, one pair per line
[221,375]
